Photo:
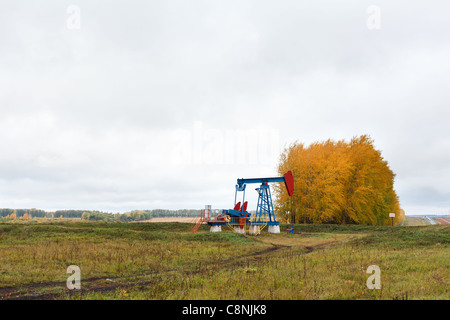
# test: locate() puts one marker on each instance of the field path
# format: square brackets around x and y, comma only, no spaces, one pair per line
[112,283]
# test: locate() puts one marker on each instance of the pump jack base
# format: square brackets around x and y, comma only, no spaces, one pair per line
[274,229]
[215,229]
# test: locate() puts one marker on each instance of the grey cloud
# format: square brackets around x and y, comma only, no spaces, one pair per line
[89,115]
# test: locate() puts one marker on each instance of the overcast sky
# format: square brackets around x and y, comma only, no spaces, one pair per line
[121,105]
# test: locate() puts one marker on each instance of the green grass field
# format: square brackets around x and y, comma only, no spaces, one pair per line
[167,261]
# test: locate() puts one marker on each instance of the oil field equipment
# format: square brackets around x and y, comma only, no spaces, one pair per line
[239,219]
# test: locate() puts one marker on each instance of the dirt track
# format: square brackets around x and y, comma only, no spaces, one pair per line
[426,220]
[443,220]
[107,284]
[171,219]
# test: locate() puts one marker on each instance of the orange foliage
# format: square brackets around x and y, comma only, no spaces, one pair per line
[338,182]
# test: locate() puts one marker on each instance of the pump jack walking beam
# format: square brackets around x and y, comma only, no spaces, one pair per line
[264,208]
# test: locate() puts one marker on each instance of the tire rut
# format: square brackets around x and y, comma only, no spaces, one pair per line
[16,293]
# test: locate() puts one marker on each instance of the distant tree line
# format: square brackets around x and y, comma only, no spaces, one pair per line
[22,212]
[138,215]
[135,215]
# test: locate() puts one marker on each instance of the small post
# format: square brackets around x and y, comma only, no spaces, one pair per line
[392,216]
[292,213]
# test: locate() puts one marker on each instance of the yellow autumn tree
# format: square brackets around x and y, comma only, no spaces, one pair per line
[338,182]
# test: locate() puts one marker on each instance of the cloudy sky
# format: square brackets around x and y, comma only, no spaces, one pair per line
[119,105]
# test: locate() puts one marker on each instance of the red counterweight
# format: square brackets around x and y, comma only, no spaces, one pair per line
[289,182]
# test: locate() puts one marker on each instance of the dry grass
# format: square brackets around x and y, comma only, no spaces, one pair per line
[171,219]
[166,261]
[415,221]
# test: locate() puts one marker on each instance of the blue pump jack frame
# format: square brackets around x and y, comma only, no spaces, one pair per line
[264,206]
